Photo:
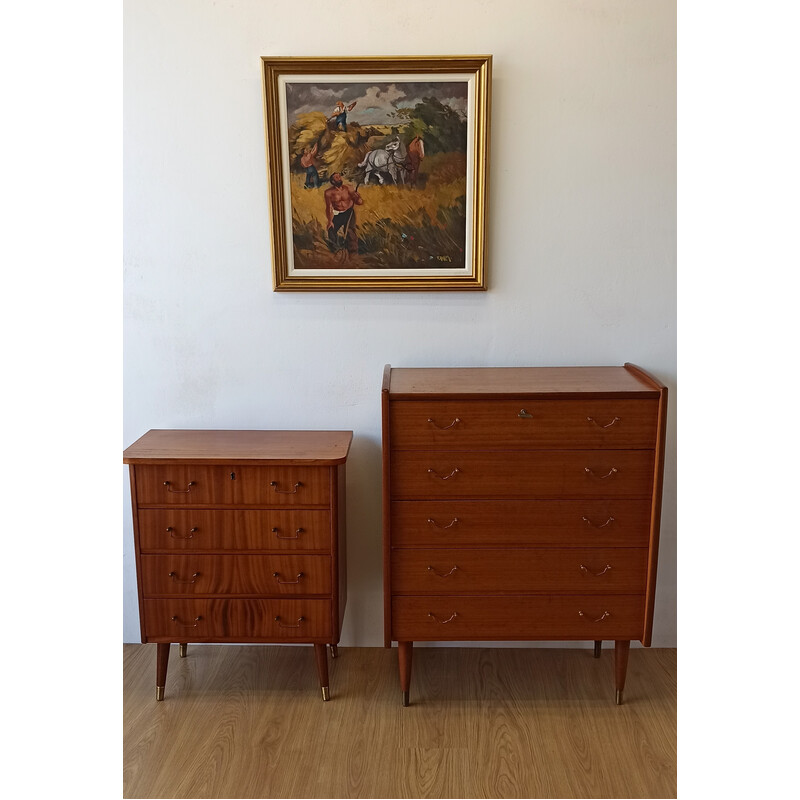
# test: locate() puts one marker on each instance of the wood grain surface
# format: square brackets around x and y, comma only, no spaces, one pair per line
[192,574]
[180,529]
[237,446]
[524,424]
[413,383]
[237,619]
[241,721]
[488,618]
[588,522]
[505,571]
[421,475]
[193,484]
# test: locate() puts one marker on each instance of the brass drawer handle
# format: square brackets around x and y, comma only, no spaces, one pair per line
[446,427]
[587,571]
[171,532]
[185,625]
[296,533]
[274,485]
[612,471]
[613,422]
[179,491]
[442,527]
[176,579]
[277,577]
[523,414]
[443,477]
[592,524]
[300,621]
[442,575]
[443,621]
[599,619]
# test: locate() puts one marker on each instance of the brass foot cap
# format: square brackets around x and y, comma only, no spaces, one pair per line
[619,697]
[334,651]
[405,699]
[182,651]
[159,692]
[326,693]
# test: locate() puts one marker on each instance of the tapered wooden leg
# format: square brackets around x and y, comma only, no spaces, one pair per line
[621,650]
[334,651]
[404,650]
[321,653]
[162,661]
[598,646]
[182,651]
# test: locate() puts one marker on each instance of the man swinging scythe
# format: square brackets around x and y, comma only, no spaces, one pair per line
[340,213]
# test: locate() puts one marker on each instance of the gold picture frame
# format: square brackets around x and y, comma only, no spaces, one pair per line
[377,172]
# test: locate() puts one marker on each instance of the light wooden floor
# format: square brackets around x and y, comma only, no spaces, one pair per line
[249,721]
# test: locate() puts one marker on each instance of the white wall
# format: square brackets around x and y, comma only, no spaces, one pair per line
[582,231]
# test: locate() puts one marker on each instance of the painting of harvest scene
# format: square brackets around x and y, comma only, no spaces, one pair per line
[378,174]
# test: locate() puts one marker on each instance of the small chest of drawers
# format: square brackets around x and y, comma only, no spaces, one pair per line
[240,537]
[521,504]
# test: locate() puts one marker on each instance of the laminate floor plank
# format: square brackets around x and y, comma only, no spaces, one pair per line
[249,722]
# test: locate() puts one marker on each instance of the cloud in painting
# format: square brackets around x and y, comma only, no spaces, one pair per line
[375,102]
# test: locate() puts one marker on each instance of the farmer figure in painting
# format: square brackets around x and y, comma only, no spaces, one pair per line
[340,202]
[340,115]
[416,152]
[307,162]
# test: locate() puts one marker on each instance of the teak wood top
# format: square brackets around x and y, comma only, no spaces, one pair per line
[480,382]
[235,446]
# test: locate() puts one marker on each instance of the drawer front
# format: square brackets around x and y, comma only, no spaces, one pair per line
[568,570]
[200,530]
[181,484]
[555,617]
[283,486]
[545,473]
[191,574]
[524,424]
[237,620]
[455,523]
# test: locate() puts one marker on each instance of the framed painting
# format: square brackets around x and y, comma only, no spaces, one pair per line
[377,172]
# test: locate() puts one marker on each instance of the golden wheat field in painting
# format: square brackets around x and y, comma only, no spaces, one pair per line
[396,226]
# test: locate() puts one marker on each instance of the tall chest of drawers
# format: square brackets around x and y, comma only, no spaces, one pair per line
[521,504]
[240,537]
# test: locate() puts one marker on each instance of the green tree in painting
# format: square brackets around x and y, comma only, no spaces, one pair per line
[443,129]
